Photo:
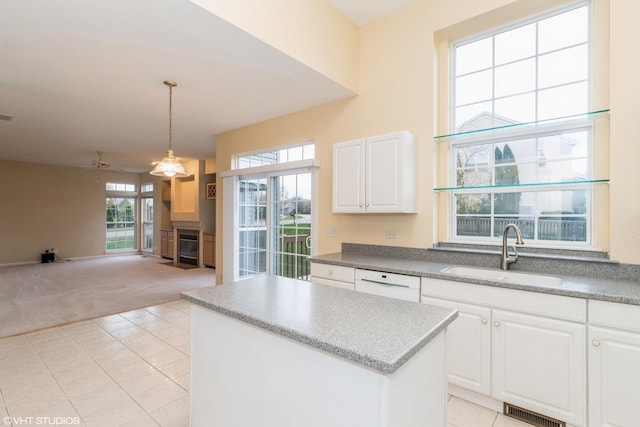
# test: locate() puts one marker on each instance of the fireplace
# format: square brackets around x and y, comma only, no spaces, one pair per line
[188,247]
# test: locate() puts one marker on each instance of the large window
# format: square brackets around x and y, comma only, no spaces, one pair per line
[121,217]
[523,152]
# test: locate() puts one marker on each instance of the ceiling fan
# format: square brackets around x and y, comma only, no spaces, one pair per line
[99,163]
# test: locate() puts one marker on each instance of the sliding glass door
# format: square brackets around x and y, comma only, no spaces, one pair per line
[274,224]
[252,226]
[290,225]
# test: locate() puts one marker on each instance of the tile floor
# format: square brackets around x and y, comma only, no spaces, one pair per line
[128,369]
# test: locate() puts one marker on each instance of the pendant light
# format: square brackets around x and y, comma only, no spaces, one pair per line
[169,166]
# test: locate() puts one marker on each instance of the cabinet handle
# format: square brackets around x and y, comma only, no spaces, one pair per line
[330,272]
[484,321]
[496,323]
[360,204]
[367,204]
[596,343]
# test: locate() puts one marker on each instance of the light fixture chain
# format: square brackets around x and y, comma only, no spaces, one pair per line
[170,166]
[170,104]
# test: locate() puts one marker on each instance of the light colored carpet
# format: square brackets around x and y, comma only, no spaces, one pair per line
[38,296]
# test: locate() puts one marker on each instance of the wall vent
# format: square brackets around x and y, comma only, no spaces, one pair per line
[531,417]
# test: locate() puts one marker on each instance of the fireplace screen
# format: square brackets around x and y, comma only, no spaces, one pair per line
[188,248]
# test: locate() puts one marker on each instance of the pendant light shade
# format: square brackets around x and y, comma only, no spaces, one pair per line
[169,166]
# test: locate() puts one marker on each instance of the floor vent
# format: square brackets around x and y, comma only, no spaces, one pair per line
[531,417]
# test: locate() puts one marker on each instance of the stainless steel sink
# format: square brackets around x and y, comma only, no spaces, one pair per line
[504,276]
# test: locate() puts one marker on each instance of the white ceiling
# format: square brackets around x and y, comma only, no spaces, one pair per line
[78,76]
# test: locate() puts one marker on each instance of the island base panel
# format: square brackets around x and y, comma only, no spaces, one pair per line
[243,375]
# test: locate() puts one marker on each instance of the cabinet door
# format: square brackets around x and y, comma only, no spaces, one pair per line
[391,173]
[382,192]
[164,244]
[614,377]
[468,346]
[170,245]
[208,247]
[540,364]
[348,176]
[333,272]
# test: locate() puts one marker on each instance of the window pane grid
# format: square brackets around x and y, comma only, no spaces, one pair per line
[290,226]
[147,223]
[288,154]
[120,223]
[252,233]
[535,71]
[554,225]
[472,85]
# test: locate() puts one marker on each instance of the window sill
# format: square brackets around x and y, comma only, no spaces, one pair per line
[593,255]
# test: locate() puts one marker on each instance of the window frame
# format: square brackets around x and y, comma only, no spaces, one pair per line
[146,195]
[230,182]
[124,190]
[521,132]
[238,158]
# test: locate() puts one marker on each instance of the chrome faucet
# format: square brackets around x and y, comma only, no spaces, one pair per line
[507,259]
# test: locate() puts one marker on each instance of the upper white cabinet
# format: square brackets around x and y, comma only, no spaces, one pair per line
[375,174]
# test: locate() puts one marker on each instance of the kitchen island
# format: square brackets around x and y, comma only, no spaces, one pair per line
[272,351]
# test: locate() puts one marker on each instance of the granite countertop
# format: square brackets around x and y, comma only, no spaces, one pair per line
[377,332]
[613,290]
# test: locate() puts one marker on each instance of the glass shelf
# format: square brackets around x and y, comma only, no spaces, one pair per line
[518,127]
[531,185]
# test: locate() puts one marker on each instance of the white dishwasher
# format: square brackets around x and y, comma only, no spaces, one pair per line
[388,284]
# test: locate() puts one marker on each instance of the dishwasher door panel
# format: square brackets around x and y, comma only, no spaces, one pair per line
[388,285]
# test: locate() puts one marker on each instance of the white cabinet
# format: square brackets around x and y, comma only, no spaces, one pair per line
[539,364]
[376,174]
[468,346]
[333,275]
[209,249]
[523,348]
[614,364]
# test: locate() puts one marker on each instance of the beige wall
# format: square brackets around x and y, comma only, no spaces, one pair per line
[397,63]
[46,207]
[625,147]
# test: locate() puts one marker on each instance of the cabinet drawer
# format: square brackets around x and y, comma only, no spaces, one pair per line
[335,283]
[208,237]
[333,272]
[557,306]
[623,316]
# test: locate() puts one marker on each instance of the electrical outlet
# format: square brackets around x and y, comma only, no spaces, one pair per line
[331,232]
[392,234]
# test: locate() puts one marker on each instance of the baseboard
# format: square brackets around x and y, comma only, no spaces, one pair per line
[477,398]
[79,258]
[13,264]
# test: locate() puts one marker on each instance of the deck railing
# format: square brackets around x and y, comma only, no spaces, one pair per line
[294,257]
[574,230]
